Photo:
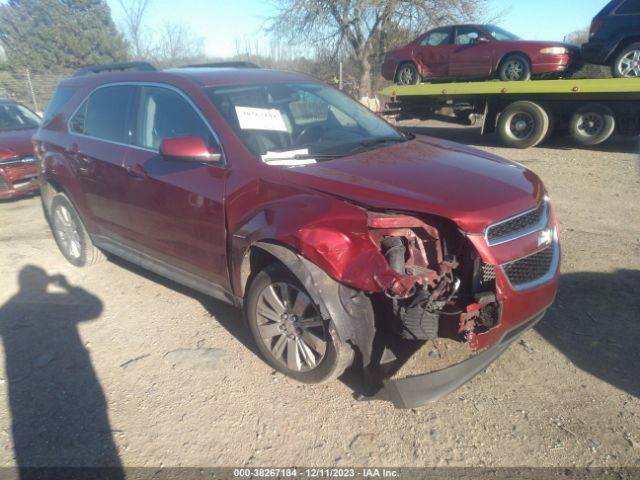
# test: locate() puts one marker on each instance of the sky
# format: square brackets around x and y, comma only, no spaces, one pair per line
[223,24]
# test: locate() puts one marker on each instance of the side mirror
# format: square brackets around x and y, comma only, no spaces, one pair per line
[189,148]
[483,39]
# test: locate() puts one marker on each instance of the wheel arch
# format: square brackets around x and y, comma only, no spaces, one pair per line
[57,177]
[621,45]
[404,62]
[349,310]
[508,54]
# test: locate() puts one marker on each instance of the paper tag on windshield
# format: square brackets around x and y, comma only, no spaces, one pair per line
[260,119]
[285,159]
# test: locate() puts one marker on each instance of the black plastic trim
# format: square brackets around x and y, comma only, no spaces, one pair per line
[415,391]
[115,67]
[164,269]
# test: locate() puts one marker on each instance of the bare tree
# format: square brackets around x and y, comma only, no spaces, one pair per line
[578,37]
[177,45]
[133,25]
[364,27]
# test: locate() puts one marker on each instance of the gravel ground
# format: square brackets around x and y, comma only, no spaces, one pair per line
[113,365]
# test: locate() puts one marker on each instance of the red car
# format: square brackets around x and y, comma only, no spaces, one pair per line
[17,166]
[477,52]
[333,230]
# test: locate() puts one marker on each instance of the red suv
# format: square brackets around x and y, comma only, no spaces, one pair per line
[333,230]
[477,52]
[17,165]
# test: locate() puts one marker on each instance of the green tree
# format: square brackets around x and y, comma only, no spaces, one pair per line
[59,35]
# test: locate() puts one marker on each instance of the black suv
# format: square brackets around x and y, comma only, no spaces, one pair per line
[614,38]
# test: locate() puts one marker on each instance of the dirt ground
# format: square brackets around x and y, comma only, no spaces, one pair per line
[113,365]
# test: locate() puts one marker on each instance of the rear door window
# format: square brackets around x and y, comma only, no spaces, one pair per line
[106,114]
[60,98]
[436,38]
[166,114]
[466,36]
[629,7]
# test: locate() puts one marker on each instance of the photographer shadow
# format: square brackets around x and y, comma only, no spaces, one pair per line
[58,409]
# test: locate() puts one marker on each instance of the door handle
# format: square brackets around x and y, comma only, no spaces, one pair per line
[137,171]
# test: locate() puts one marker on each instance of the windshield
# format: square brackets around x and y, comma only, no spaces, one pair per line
[301,121]
[17,117]
[500,34]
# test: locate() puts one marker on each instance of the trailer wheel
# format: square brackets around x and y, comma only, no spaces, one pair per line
[592,124]
[407,74]
[523,124]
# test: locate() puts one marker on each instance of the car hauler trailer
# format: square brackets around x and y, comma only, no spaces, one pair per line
[525,113]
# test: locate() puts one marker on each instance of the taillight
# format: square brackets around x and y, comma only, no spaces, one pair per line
[596,25]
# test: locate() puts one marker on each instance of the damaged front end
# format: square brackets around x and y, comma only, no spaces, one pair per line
[438,285]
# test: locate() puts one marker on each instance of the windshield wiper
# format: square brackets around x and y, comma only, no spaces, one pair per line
[308,156]
[378,141]
[330,156]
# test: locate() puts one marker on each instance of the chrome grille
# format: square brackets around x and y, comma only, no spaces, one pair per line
[530,269]
[518,226]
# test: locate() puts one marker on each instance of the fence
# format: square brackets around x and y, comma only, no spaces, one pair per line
[32,89]
[36,89]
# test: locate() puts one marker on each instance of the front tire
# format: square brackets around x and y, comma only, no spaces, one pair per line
[70,234]
[289,331]
[515,68]
[407,75]
[627,63]
[523,124]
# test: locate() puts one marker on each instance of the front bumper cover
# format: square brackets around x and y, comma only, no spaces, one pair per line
[418,390]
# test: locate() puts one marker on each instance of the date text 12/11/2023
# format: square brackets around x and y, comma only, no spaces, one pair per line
[315,473]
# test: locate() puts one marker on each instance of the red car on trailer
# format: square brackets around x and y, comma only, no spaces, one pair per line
[469,52]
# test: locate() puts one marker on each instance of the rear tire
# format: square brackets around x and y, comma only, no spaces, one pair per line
[523,124]
[407,74]
[515,68]
[289,331]
[627,63]
[70,234]
[592,124]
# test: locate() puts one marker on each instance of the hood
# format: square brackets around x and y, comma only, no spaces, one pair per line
[425,175]
[16,143]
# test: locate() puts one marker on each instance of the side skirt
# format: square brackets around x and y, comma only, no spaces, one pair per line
[166,270]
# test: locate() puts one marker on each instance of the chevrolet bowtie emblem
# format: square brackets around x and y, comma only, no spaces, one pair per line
[545,238]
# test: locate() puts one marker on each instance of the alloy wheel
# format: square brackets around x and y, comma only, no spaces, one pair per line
[514,69]
[406,76]
[67,232]
[629,65]
[291,327]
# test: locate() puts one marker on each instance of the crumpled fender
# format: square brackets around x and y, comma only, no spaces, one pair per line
[332,234]
[349,310]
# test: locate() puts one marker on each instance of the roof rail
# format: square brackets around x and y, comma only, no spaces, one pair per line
[223,65]
[115,67]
